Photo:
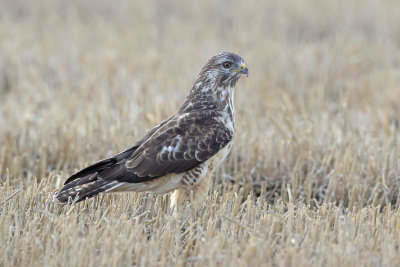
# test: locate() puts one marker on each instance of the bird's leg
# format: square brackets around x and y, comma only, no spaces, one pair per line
[190,201]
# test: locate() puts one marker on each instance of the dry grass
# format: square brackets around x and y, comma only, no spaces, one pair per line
[313,178]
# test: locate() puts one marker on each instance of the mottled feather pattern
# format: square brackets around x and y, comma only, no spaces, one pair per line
[84,188]
[181,144]
[190,178]
[203,125]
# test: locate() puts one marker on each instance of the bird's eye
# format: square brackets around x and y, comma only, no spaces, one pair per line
[227,65]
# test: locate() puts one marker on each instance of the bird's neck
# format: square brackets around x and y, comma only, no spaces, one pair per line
[210,97]
[225,97]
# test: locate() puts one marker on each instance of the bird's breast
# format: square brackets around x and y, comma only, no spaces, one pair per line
[227,120]
[196,175]
[219,157]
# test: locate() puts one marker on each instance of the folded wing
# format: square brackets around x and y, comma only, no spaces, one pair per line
[175,146]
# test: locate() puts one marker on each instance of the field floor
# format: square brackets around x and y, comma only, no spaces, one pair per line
[313,178]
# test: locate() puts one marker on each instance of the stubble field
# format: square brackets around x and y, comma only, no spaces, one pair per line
[313,177]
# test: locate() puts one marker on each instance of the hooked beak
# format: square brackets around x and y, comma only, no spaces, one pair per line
[243,69]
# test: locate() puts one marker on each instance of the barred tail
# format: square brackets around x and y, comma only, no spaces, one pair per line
[85,187]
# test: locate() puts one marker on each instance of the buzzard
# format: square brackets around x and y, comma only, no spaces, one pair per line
[181,152]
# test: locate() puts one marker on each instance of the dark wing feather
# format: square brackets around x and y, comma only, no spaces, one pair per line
[114,161]
[101,165]
[178,146]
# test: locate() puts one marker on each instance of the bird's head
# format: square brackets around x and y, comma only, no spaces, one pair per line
[214,87]
[224,69]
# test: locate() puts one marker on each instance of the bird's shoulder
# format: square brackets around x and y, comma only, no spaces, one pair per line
[195,124]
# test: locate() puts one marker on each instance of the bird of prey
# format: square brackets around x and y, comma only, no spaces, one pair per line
[181,152]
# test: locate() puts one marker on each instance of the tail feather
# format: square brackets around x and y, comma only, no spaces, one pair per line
[85,187]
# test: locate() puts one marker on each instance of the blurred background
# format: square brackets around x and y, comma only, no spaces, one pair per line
[317,118]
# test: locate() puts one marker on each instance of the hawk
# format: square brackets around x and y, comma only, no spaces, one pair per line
[181,152]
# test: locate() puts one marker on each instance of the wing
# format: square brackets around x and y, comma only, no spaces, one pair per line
[115,160]
[178,146]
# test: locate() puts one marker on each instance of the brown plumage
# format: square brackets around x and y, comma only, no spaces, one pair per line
[181,152]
